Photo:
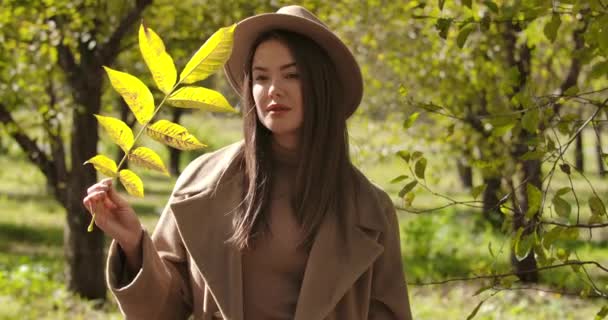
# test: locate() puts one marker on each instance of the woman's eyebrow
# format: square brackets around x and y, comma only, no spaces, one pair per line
[283,67]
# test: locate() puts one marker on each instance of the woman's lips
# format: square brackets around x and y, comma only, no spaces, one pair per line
[275,109]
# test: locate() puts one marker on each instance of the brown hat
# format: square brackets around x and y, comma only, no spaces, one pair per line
[299,20]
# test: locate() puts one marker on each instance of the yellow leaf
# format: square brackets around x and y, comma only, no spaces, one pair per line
[137,96]
[104,165]
[147,158]
[174,135]
[132,183]
[158,60]
[210,57]
[119,132]
[200,98]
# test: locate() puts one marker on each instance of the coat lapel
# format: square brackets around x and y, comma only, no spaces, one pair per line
[204,222]
[341,252]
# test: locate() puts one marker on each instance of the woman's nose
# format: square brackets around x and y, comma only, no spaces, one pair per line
[275,89]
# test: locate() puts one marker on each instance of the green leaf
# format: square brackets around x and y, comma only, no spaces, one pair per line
[478,190]
[508,281]
[490,249]
[410,120]
[599,70]
[534,200]
[463,35]
[551,27]
[523,244]
[399,179]
[594,218]
[443,26]
[405,155]
[491,5]
[572,91]
[468,3]
[563,191]
[407,188]
[474,312]
[420,168]
[532,155]
[565,168]
[597,206]
[562,254]
[483,289]
[562,207]
[416,155]
[531,120]
[602,313]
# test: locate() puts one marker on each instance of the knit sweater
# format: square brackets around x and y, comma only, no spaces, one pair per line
[273,268]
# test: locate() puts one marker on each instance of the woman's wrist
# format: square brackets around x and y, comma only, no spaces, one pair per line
[132,250]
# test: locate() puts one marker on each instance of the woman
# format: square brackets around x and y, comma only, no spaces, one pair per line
[280,226]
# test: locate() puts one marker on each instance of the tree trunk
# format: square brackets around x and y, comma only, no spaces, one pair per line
[491,210]
[126,117]
[84,250]
[532,175]
[466,174]
[175,154]
[598,150]
[579,154]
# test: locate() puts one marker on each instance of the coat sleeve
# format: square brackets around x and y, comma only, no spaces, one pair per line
[389,295]
[160,289]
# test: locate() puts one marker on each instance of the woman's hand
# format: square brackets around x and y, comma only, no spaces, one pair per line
[116,218]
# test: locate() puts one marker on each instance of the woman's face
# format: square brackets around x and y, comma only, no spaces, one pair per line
[277,91]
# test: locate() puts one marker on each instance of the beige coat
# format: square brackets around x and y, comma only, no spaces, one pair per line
[354,270]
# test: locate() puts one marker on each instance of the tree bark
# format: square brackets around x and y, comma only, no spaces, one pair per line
[599,151]
[84,250]
[532,174]
[579,153]
[175,154]
[127,117]
[466,174]
[491,210]
[520,57]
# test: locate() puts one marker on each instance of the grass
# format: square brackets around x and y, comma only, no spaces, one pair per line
[447,244]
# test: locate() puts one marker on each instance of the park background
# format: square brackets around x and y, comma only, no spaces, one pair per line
[482,119]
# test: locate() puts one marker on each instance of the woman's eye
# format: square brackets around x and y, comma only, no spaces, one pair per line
[260,78]
[293,76]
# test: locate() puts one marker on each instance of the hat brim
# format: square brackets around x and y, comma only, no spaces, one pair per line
[248,30]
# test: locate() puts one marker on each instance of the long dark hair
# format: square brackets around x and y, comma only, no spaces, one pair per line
[324,165]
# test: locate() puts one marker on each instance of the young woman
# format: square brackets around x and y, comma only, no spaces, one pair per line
[280,225]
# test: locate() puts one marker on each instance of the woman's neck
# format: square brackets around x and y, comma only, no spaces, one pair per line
[286,141]
[283,155]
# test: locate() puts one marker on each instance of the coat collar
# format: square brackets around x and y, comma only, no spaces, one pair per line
[341,251]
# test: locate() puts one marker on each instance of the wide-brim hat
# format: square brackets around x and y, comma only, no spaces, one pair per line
[299,20]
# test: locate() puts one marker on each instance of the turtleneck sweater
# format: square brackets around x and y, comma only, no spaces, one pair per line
[273,268]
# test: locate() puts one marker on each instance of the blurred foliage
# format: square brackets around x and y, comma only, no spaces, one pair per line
[445,80]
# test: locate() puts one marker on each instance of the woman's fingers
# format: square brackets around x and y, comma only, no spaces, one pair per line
[97,187]
[117,198]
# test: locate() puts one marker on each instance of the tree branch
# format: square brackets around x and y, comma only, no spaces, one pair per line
[110,49]
[503,275]
[29,146]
